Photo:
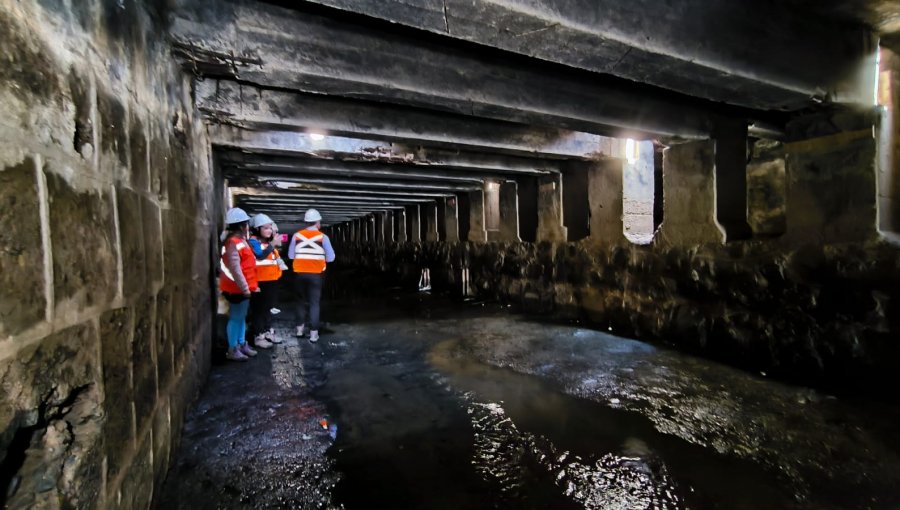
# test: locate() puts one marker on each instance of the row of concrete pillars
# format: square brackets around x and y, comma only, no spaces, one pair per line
[700,197]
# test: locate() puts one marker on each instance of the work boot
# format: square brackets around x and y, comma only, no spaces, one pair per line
[235,355]
[246,350]
[272,337]
[314,336]
[261,342]
[300,330]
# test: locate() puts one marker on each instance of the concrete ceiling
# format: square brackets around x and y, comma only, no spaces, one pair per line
[418,100]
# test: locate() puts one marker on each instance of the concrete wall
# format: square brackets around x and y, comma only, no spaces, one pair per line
[106,199]
[818,303]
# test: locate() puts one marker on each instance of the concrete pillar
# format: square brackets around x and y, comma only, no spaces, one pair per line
[400,225]
[370,229]
[889,142]
[378,217]
[528,208]
[689,187]
[550,213]
[731,178]
[605,185]
[429,222]
[576,206]
[831,188]
[387,232]
[509,214]
[767,190]
[477,232]
[413,229]
[451,221]
[463,210]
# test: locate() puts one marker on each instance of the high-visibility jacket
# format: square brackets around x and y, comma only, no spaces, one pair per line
[267,269]
[309,251]
[248,267]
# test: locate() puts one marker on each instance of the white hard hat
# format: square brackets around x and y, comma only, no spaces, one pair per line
[260,220]
[236,215]
[312,216]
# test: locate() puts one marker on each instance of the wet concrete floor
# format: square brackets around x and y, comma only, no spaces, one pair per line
[412,401]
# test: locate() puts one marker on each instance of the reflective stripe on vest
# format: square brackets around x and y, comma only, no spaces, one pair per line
[227,282]
[222,267]
[267,269]
[309,253]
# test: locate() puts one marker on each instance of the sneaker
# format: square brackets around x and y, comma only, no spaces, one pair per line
[300,330]
[246,350]
[272,337]
[235,355]
[313,336]
[261,342]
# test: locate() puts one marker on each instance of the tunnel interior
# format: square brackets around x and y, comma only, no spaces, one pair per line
[711,186]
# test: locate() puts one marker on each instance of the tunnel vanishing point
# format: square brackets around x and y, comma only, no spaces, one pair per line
[718,176]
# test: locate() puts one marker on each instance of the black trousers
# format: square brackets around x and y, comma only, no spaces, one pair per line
[260,304]
[309,290]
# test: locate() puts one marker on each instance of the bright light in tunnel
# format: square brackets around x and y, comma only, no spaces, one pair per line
[631,151]
[317,137]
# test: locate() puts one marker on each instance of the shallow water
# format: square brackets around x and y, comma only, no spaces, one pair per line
[433,404]
[425,426]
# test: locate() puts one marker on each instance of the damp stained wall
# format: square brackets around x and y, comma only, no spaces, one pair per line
[107,237]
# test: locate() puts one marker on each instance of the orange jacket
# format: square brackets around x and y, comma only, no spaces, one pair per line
[309,254]
[248,267]
[267,269]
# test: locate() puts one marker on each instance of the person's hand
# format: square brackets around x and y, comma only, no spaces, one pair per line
[258,290]
[247,294]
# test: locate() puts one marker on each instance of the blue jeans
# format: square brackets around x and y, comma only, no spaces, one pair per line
[309,290]
[237,323]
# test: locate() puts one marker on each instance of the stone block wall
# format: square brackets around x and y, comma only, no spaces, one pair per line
[107,235]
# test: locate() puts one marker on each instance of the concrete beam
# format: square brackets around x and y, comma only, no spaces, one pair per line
[249,106]
[316,194]
[774,55]
[689,191]
[369,183]
[405,70]
[239,164]
[302,146]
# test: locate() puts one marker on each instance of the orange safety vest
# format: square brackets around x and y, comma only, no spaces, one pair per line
[309,251]
[248,267]
[267,269]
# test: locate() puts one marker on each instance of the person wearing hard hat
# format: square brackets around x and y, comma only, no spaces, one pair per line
[268,271]
[311,251]
[237,280]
